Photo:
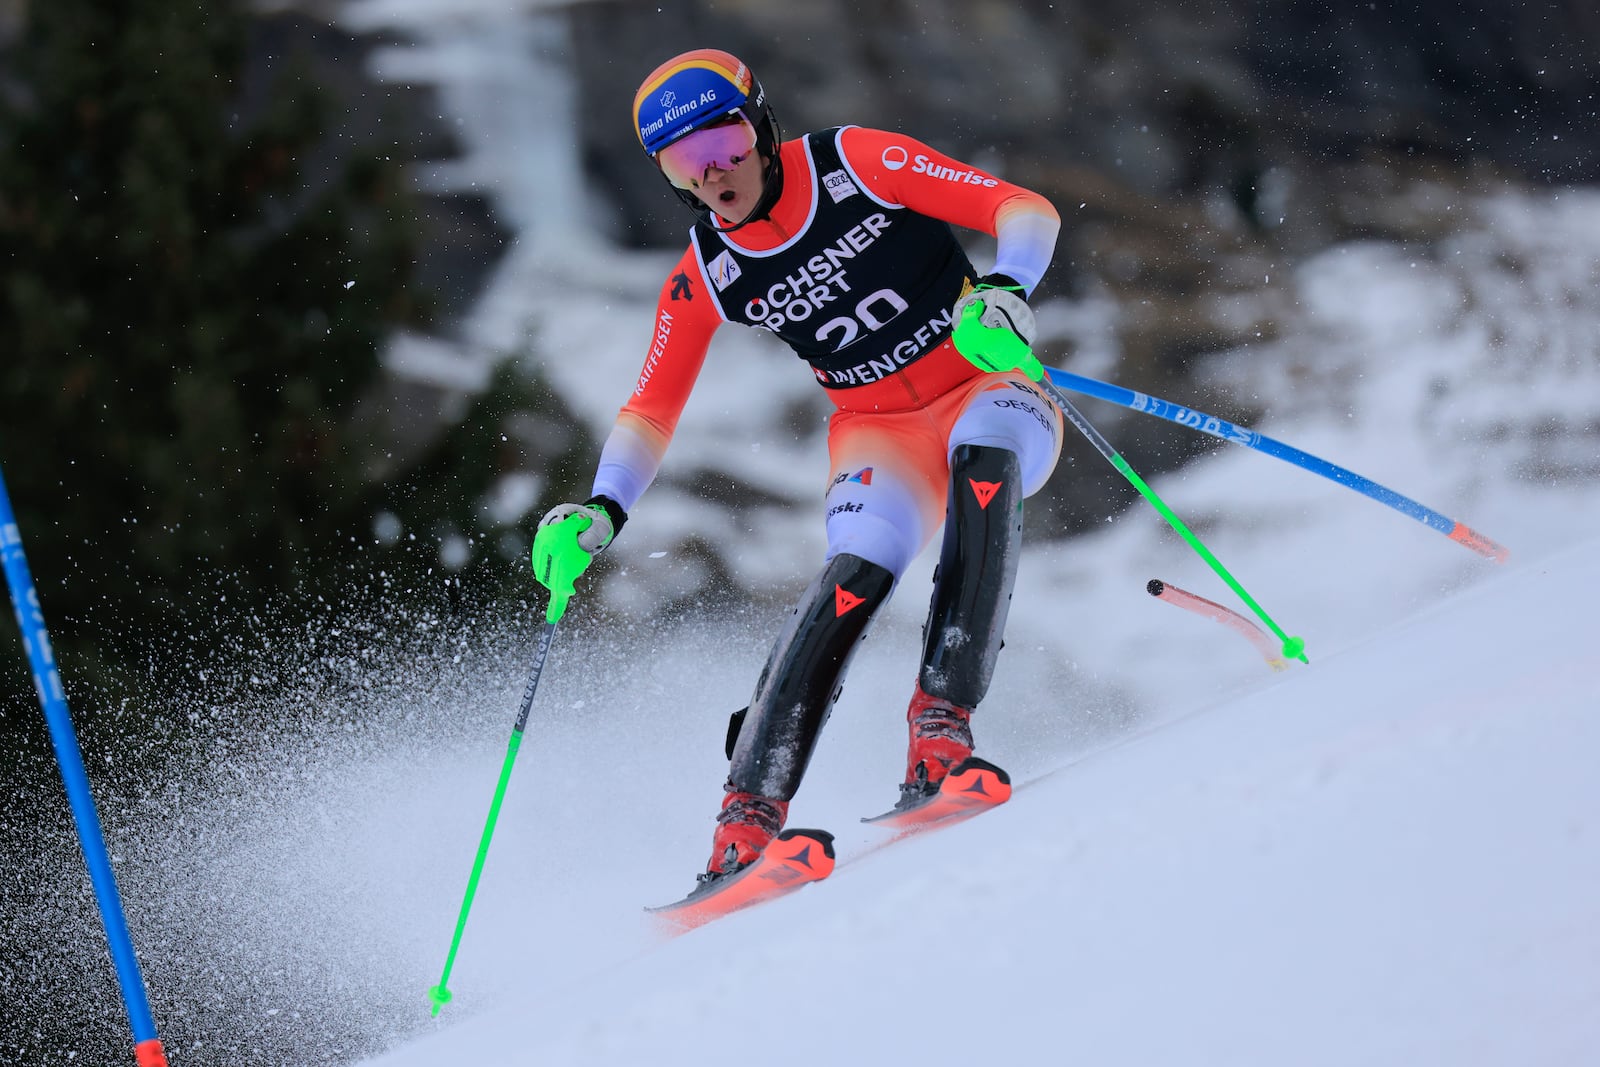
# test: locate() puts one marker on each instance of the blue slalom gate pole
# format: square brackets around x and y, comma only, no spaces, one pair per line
[1227,431]
[52,698]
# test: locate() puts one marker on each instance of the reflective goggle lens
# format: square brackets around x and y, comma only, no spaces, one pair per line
[724,145]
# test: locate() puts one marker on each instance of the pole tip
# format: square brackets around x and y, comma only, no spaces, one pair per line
[150,1054]
[440,997]
[1295,648]
[1466,535]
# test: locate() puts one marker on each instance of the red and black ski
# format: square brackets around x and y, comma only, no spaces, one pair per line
[974,785]
[793,859]
[800,857]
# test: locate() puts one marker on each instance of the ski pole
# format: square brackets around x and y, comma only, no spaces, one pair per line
[1293,647]
[440,994]
[91,838]
[1227,431]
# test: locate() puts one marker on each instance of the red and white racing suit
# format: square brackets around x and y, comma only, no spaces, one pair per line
[857,269]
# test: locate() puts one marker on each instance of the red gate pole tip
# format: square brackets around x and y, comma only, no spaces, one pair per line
[150,1054]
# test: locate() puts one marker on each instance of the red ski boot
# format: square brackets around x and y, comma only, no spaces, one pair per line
[941,737]
[745,826]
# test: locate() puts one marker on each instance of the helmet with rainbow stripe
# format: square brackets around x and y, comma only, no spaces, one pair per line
[693,90]
[697,89]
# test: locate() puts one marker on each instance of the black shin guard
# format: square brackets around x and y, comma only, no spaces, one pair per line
[977,569]
[771,747]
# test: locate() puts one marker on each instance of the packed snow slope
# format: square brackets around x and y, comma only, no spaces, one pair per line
[1386,857]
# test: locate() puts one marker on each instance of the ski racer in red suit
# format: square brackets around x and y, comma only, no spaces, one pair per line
[840,242]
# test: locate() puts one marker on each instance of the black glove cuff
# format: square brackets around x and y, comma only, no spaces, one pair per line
[613,512]
[1002,281]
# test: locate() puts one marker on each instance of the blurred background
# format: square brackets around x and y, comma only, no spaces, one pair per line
[310,308]
[261,321]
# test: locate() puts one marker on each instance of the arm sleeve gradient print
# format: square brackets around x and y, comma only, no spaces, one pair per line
[684,325]
[904,171]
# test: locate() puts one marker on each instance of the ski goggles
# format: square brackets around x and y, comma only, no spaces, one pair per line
[724,144]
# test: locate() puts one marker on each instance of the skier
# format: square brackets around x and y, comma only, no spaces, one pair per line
[840,242]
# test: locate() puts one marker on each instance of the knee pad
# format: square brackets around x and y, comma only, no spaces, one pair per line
[770,743]
[976,573]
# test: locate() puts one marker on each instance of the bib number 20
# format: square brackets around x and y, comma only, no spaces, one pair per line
[874,311]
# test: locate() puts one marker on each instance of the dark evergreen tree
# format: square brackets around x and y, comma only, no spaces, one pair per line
[186,317]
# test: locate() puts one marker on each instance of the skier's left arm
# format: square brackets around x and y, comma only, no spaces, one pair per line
[994,326]
[902,170]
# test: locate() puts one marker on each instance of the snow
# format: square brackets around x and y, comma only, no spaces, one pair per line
[1386,858]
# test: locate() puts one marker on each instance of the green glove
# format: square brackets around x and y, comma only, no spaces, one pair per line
[566,542]
[994,328]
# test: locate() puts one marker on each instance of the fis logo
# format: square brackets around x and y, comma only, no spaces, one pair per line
[724,271]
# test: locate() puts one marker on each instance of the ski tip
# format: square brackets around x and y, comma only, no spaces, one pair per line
[794,858]
[973,785]
[820,837]
[808,851]
[976,777]
[975,763]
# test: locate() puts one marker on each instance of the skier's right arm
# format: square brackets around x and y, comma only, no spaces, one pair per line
[571,535]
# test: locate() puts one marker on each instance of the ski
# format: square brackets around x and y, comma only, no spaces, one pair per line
[793,859]
[974,785]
